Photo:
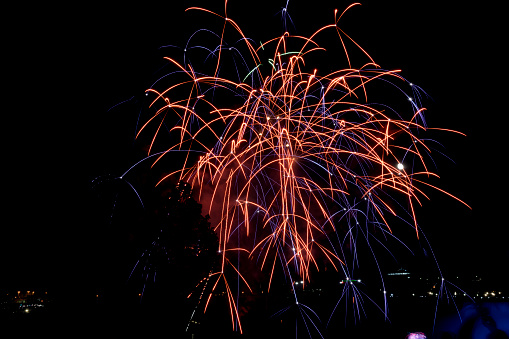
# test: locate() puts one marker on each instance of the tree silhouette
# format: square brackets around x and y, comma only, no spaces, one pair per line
[181,251]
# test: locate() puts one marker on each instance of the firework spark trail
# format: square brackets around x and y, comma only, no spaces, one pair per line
[290,154]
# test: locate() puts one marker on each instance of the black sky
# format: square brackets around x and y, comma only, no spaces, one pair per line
[67,66]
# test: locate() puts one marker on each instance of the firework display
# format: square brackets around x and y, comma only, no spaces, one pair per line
[295,163]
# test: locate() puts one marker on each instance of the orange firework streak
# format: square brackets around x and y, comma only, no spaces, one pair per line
[300,143]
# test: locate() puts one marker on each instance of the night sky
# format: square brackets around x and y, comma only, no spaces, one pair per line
[67,66]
